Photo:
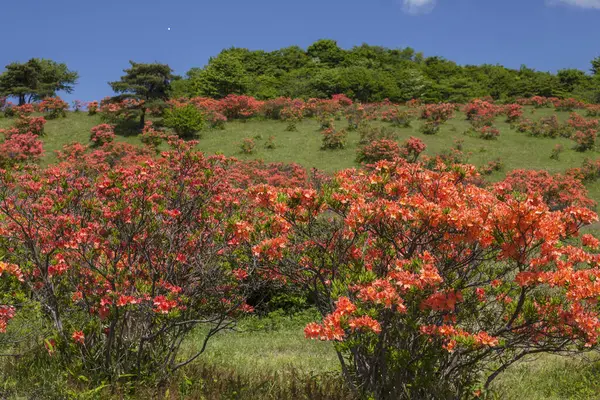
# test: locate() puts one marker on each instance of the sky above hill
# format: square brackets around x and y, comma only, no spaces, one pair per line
[98,38]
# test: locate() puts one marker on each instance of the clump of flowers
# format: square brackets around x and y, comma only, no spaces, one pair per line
[585,140]
[334,138]
[488,132]
[54,107]
[378,150]
[92,107]
[412,148]
[102,134]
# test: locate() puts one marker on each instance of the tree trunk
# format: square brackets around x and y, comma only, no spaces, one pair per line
[143,118]
[21,99]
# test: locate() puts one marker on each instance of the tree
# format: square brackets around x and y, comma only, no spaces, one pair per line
[150,84]
[224,75]
[596,66]
[36,79]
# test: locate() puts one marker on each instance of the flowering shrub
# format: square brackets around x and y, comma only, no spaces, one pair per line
[398,117]
[567,104]
[135,257]
[424,281]
[438,113]
[491,167]
[248,145]
[537,101]
[488,132]
[292,115]
[513,112]
[33,125]
[152,137]
[378,150]
[54,107]
[430,128]
[593,110]
[334,138]
[544,127]
[356,116]
[577,122]
[481,109]
[369,133]
[412,148]
[25,109]
[92,107]
[239,107]
[585,140]
[102,134]
[20,148]
[559,192]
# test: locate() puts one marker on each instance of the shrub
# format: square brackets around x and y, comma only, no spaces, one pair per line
[585,140]
[412,148]
[430,128]
[135,258]
[567,104]
[356,116]
[398,117]
[556,150]
[248,145]
[369,133]
[491,167]
[20,148]
[152,137]
[102,134]
[239,107]
[438,113]
[513,112]
[270,143]
[292,115]
[378,150]
[54,107]
[333,138]
[35,125]
[186,121]
[92,107]
[425,283]
[488,132]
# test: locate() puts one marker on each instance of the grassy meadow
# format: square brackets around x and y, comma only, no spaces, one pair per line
[269,357]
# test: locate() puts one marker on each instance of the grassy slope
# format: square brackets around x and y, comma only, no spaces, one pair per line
[261,346]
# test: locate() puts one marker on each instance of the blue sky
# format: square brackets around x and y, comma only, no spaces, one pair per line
[97,38]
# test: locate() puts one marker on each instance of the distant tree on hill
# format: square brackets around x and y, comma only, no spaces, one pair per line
[150,83]
[36,79]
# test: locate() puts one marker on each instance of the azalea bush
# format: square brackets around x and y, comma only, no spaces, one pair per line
[126,261]
[20,148]
[585,140]
[369,133]
[102,134]
[334,138]
[53,107]
[425,282]
[378,150]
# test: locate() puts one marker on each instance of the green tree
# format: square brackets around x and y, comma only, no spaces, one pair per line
[327,52]
[224,75]
[36,79]
[148,82]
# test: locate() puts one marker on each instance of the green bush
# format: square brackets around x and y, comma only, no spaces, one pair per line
[185,121]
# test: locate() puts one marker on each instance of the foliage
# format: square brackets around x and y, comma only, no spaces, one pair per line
[36,79]
[149,84]
[102,134]
[186,121]
[54,107]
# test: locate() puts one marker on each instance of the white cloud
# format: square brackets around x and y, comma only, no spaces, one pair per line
[424,6]
[579,3]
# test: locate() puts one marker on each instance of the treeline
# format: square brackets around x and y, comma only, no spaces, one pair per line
[374,73]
